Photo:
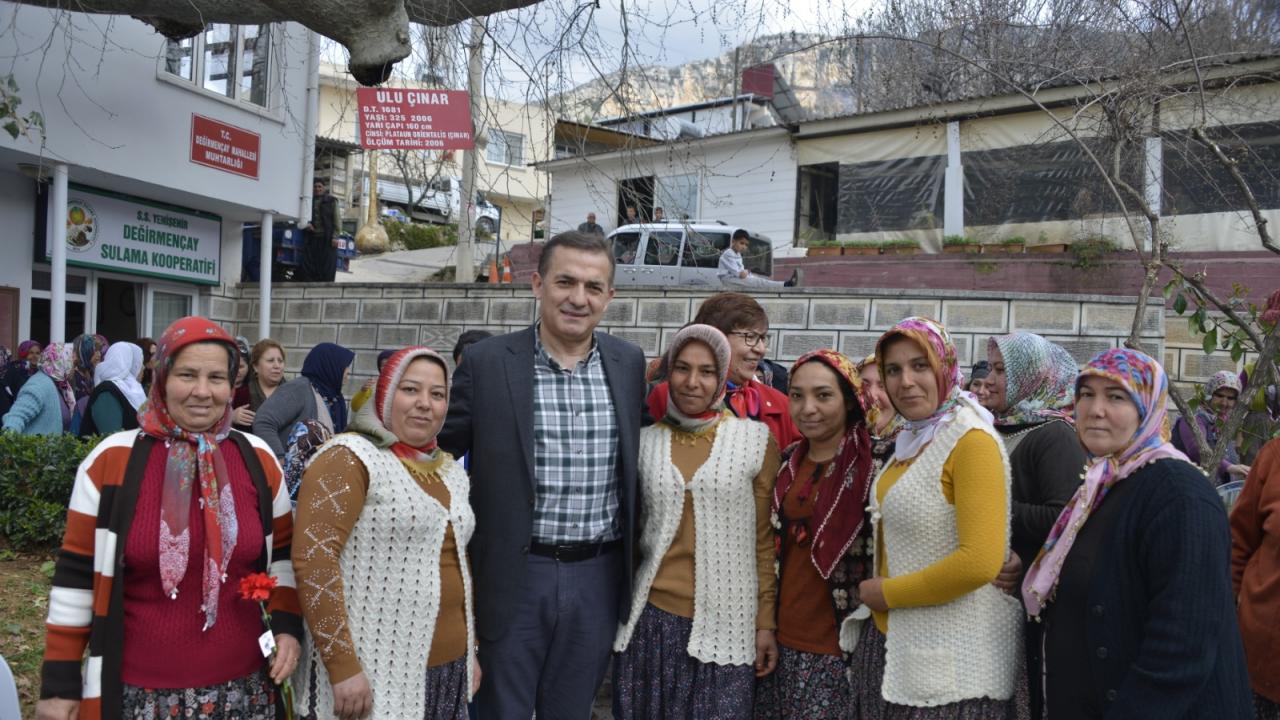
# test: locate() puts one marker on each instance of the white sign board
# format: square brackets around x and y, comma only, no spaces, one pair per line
[125,234]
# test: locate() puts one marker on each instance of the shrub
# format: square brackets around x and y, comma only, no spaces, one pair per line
[419,237]
[36,475]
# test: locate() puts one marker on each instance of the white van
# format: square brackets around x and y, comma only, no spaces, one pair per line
[685,254]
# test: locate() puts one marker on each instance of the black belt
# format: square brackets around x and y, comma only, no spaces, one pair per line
[576,552]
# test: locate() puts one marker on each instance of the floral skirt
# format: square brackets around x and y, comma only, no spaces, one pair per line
[805,686]
[252,697]
[656,679]
[869,661]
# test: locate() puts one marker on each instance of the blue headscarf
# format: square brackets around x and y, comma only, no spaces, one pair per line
[324,366]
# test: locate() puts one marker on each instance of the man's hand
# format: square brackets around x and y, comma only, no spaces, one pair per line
[744,274]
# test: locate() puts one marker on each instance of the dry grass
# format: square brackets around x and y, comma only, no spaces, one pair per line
[24,602]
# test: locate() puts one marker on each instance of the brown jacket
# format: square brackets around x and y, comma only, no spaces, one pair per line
[1255,569]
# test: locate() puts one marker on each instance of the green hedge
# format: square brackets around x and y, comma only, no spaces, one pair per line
[36,475]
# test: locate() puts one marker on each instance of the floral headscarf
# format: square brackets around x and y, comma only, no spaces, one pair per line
[24,347]
[1148,387]
[940,351]
[56,362]
[194,463]
[1040,379]
[840,504]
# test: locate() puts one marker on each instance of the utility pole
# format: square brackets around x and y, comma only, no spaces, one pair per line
[464,270]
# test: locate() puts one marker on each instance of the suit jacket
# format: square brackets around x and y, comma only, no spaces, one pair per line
[491,417]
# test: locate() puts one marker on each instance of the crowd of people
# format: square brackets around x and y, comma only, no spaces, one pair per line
[875,537]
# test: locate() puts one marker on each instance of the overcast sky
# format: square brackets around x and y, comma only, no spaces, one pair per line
[558,44]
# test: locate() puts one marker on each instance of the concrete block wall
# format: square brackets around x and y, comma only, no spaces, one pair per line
[369,318]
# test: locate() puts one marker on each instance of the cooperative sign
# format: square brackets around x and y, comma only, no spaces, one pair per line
[400,119]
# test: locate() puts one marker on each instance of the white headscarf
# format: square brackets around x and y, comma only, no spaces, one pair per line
[121,365]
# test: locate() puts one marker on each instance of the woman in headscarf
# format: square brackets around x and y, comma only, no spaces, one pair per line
[1220,395]
[823,543]
[1031,390]
[1255,568]
[316,395]
[148,361]
[241,409]
[21,366]
[1133,585]
[953,641]
[118,396]
[86,357]
[164,525]
[882,420]
[44,404]
[702,617]
[383,524]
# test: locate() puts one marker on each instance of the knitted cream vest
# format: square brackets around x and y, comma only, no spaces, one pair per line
[970,647]
[391,577]
[725,585]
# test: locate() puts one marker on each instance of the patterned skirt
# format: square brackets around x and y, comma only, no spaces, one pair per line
[1265,709]
[805,686]
[447,691]
[656,679]
[868,676]
[252,697]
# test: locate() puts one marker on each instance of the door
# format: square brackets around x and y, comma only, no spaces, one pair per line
[117,310]
[628,266]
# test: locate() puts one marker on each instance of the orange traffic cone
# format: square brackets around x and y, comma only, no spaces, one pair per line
[506,269]
[493,271]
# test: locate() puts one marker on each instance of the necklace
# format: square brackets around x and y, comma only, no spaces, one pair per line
[425,479]
[690,438]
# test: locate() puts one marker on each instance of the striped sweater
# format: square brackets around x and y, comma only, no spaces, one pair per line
[86,608]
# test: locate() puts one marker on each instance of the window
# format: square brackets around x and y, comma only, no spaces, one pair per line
[233,61]
[166,307]
[625,246]
[704,248]
[505,148]
[663,248]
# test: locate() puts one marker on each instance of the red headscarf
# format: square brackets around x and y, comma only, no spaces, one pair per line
[374,419]
[840,506]
[192,456]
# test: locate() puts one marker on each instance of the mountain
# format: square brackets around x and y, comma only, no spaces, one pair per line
[819,72]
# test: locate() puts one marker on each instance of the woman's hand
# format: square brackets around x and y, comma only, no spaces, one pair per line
[353,698]
[57,709]
[1239,471]
[1007,580]
[766,652]
[475,676]
[242,416]
[871,592]
[287,653]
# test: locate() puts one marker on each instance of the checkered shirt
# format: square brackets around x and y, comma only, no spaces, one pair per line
[575,451]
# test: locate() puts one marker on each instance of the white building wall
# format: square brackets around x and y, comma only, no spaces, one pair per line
[749,180]
[109,108]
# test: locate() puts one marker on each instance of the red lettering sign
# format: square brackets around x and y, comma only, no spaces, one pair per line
[406,119]
[225,147]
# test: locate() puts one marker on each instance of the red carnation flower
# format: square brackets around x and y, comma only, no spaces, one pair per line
[257,587]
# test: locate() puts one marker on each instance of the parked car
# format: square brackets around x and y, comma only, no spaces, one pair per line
[681,253]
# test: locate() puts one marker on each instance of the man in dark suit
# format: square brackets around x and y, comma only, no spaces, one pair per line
[551,418]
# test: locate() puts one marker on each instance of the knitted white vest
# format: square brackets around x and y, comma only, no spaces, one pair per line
[724,519]
[391,578]
[970,647]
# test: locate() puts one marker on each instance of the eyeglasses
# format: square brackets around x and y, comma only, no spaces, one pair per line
[752,338]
